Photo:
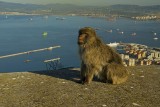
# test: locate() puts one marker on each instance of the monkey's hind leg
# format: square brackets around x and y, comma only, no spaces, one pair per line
[117,73]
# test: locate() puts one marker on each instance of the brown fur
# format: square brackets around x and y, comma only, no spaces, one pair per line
[116,73]
[98,59]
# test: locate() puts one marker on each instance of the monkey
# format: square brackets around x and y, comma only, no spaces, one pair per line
[99,59]
[116,73]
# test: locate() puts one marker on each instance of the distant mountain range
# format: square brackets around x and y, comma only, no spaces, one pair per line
[74,9]
[6,6]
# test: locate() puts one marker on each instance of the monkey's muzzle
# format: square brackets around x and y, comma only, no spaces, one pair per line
[81,39]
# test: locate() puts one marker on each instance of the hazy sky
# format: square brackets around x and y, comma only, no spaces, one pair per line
[89,2]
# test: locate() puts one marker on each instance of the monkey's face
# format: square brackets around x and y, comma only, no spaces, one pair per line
[82,39]
[85,35]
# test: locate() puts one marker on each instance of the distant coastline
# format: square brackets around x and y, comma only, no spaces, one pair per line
[107,17]
[135,12]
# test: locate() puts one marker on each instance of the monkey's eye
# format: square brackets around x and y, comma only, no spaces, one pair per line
[86,35]
[80,33]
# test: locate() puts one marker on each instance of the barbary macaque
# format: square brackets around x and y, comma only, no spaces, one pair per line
[98,59]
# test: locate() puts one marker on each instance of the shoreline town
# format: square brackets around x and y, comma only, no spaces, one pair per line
[134,54]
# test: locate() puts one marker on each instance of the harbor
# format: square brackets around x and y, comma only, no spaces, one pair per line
[29,52]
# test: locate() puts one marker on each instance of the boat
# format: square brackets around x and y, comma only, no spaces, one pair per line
[30,19]
[110,31]
[155,34]
[155,38]
[45,33]
[134,34]
[63,18]
[26,61]
[121,32]
[60,18]
[115,44]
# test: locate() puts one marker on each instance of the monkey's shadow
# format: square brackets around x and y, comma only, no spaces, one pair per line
[71,74]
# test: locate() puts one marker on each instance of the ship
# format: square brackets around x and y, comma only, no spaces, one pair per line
[110,31]
[155,34]
[45,34]
[134,34]
[121,32]
[60,18]
[155,38]
[115,44]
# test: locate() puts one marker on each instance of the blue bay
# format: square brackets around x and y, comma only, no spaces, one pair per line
[24,33]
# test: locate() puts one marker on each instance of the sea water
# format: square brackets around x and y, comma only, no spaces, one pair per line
[25,33]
